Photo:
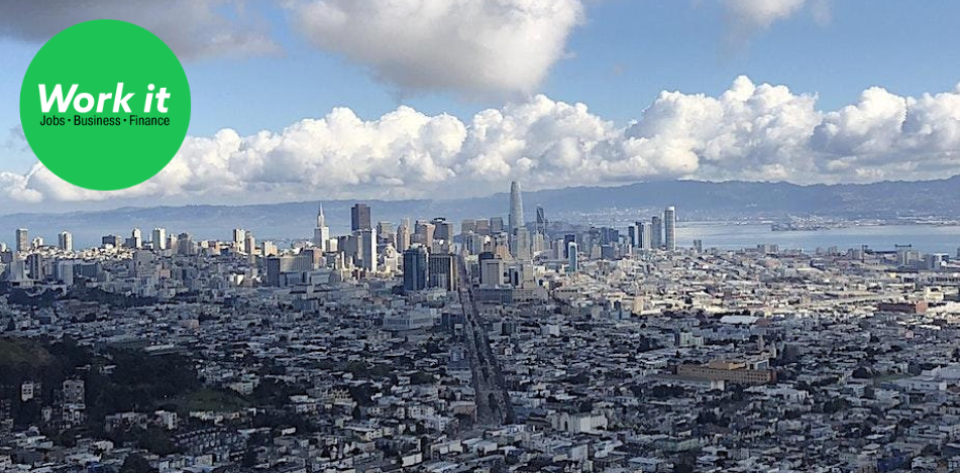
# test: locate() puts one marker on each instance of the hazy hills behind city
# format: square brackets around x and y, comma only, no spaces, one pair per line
[694,200]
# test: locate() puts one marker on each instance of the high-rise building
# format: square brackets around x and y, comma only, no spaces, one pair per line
[18,268]
[516,207]
[35,266]
[385,233]
[670,228]
[443,230]
[567,240]
[491,269]
[482,227]
[470,226]
[249,243]
[415,269]
[476,243]
[368,249]
[159,239]
[643,236]
[609,235]
[185,245]
[172,243]
[541,221]
[424,233]
[136,239]
[573,264]
[321,234]
[278,269]
[521,244]
[65,241]
[403,237]
[23,239]
[113,241]
[442,271]
[539,243]
[656,233]
[239,237]
[360,218]
[496,225]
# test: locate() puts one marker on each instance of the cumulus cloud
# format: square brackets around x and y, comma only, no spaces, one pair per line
[192,28]
[750,132]
[470,47]
[479,47]
[746,17]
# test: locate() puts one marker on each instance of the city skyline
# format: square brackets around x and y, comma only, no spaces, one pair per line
[494,236]
[752,111]
[449,338]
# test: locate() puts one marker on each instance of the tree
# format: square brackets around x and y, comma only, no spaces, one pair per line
[135,463]
[249,458]
[421,377]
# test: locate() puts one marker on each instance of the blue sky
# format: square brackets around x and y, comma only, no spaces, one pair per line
[616,59]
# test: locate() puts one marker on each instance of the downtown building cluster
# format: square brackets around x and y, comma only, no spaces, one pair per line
[495,345]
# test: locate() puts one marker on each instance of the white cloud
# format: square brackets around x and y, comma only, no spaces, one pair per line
[192,28]
[750,132]
[478,47]
[746,17]
[14,187]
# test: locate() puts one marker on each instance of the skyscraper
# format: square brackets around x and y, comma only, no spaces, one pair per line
[403,237]
[136,239]
[368,249]
[539,237]
[443,230]
[321,234]
[656,233]
[23,239]
[670,228]
[541,221]
[424,233]
[567,240]
[415,269]
[185,245]
[159,239]
[573,263]
[643,236]
[521,244]
[65,241]
[239,237]
[113,241]
[516,208]
[249,243]
[442,271]
[386,234]
[360,217]
[268,248]
[491,269]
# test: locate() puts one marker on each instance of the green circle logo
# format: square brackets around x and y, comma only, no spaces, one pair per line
[105,105]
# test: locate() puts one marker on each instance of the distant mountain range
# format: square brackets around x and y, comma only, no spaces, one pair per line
[694,201]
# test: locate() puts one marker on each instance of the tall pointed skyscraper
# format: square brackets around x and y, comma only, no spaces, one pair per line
[516,208]
[321,234]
